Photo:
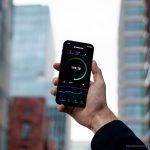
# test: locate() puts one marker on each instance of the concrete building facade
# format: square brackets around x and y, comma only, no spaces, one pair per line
[133,99]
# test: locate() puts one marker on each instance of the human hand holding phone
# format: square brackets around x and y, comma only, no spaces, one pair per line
[96,112]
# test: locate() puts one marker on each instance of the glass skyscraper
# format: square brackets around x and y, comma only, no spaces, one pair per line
[31,41]
[31,58]
[133,100]
[5,44]
[58,128]
[148,53]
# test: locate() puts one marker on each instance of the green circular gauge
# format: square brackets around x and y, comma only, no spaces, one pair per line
[78,68]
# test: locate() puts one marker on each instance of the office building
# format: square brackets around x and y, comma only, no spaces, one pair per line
[132,67]
[52,145]
[31,60]
[27,124]
[58,128]
[30,51]
[148,57]
[5,44]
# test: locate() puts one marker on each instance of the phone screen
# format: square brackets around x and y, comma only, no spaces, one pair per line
[74,76]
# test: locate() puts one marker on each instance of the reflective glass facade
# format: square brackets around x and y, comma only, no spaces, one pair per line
[58,127]
[31,43]
[148,53]
[134,57]
[29,49]
[134,25]
[135,74]
[134,111]
[134,92]
[135,10]
[132,72]
[135,41]
[139,129]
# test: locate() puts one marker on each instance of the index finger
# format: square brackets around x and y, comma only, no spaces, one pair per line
[56,66]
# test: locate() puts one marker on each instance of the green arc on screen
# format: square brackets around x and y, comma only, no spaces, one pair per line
[84,66]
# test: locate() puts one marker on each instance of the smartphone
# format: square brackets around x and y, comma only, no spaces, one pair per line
[74,75]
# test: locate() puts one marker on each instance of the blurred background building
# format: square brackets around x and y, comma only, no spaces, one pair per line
[32,53]
[30,47]
[60,128]
[27,124]
[25,77]
[5,45]
[25,73]
[133,68]
[148,57]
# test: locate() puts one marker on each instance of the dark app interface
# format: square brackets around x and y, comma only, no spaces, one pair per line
[74,73]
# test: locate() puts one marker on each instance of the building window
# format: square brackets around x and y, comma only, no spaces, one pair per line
[138,10]
[135,41]
[134,92]
[138,128]
[24,148]
[133,57]
[26,129]
[134,26]
[134,110]
[27,112]
[135,74]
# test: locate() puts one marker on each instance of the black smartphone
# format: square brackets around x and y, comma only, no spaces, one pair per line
[74,75]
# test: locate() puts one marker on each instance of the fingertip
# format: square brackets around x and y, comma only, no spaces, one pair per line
[56,66]
[94,66]
[61,107]
[54,91]
[55,81]
[94,61]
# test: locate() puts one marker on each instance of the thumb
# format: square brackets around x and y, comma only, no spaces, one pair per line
[97,73]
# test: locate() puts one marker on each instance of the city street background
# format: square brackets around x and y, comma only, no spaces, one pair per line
[32,33]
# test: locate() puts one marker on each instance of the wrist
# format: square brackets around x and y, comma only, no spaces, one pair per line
[101,118]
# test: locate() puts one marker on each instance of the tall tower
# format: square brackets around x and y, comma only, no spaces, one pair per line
[5,44]
[148,57]
[133,100]
[31,59]
[30,46]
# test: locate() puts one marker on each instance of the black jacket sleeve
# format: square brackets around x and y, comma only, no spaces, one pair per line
[116,136]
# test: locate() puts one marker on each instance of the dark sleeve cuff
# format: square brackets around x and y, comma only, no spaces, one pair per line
[114,135]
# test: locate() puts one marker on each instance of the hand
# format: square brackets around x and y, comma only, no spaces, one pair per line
[96,113]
